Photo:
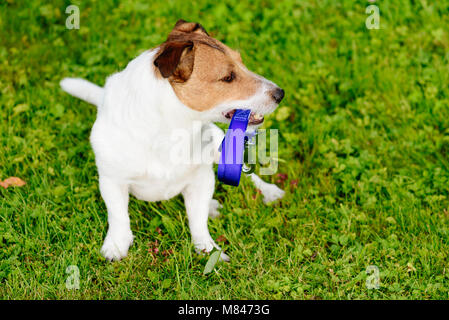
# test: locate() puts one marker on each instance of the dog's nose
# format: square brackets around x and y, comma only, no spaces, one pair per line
[278,94]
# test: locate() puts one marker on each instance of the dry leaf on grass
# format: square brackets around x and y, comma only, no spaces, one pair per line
[221,238]
[12,182]
[281,177]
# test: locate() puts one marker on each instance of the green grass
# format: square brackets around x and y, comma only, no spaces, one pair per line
[364,140]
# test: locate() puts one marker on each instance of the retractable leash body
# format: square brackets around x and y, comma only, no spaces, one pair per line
[232,149]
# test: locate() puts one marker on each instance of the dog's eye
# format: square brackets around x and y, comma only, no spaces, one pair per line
[229,78]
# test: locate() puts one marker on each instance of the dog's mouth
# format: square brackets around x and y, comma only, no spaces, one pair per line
[254,118]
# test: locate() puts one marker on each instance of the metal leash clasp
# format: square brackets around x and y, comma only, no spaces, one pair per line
[249,153]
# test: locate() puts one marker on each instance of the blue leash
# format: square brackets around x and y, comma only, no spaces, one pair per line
[232,149]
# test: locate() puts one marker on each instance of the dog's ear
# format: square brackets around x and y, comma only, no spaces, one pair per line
[188,27]
[176,60]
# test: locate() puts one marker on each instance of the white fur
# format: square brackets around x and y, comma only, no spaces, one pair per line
[270,192]
[131,139]
[83,89]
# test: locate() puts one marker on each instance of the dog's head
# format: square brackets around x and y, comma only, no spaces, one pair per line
[210,77]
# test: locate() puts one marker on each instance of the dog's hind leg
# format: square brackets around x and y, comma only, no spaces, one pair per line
[119,236]
[197,198]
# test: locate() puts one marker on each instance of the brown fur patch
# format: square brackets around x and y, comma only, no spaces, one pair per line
[185,26]
[199,75]
[170,57]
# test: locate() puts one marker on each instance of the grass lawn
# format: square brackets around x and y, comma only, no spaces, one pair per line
[364,142]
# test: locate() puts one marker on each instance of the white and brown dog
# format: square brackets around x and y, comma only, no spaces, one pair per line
[191,77]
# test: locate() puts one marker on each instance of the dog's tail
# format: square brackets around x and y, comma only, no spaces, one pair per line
[83,89]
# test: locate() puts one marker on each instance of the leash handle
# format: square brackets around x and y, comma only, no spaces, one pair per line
[232,147]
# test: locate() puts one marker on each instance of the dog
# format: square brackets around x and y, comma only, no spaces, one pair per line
[189,78]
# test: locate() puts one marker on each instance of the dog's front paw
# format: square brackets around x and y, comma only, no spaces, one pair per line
[116,245]
[272,192]
[214,206]
[206,245]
